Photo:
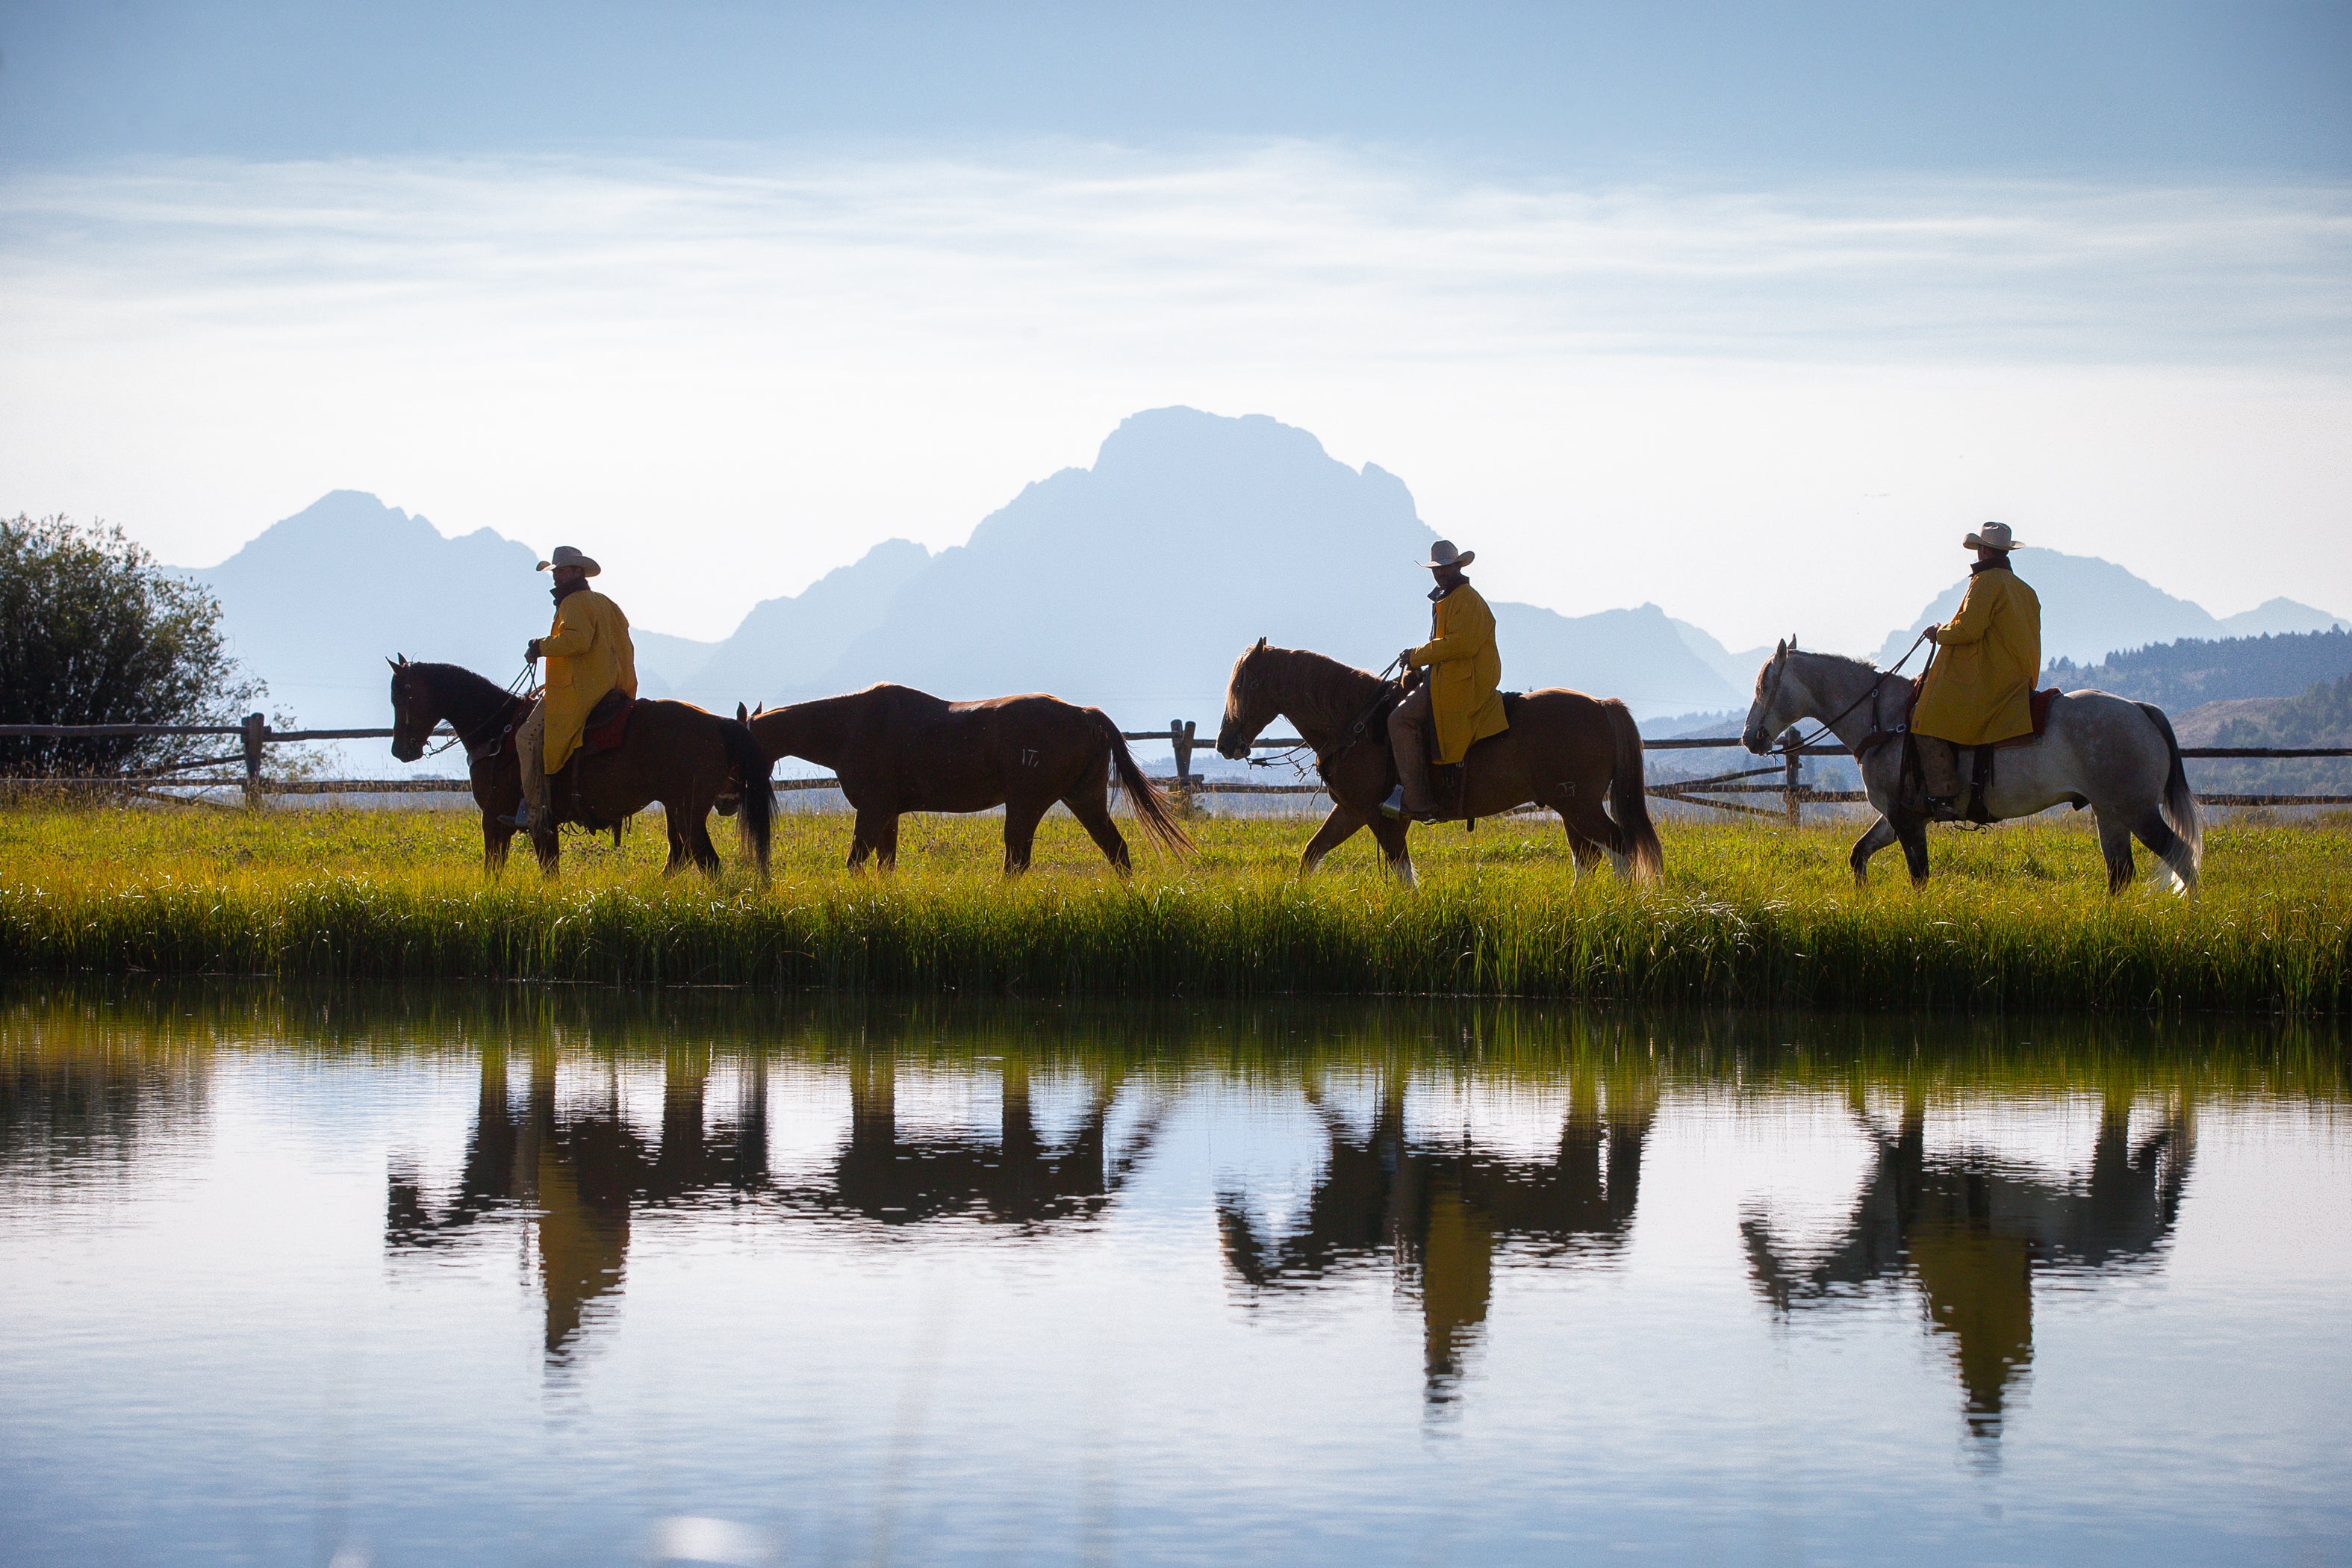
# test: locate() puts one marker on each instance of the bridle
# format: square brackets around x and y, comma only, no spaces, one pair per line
[1355,731]
[1779,673]
[467,738]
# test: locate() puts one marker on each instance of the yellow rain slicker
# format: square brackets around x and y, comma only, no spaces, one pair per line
[1987,655]
[1464,669]
[588,653]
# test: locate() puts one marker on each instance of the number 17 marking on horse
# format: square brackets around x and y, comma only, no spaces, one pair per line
[1029,757]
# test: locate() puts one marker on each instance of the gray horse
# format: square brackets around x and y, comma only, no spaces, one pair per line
[2113,755]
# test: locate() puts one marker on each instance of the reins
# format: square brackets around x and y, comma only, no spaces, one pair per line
[514,687]
[1289,755]
[1875,687]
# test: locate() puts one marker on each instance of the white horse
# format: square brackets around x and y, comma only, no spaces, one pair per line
[2118,757]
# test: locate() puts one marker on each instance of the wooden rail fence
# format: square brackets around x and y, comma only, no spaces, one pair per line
[254,735]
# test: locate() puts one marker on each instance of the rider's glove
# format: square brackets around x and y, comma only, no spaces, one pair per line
[530,650]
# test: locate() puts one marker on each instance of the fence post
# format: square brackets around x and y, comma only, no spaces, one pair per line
[256,729]
[1791,791]
[1179,737]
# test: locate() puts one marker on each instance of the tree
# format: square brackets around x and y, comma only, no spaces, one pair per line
[93,631]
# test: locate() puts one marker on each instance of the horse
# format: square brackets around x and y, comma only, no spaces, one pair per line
[2119,757]
[897,750]
[674,752]
[1564,751]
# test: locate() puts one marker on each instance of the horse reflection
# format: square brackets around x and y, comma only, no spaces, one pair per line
[582,1169]
[897,1176]
[1441,1211]
[1971,1231]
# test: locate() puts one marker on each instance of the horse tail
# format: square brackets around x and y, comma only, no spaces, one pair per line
[756,816]
[1629,801]
[1150,805]
[2179,800]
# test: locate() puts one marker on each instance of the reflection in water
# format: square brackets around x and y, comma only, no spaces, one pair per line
[581,1173]
[1440,1210]
[1126,1205]
[1971,1229]
[1014,1177]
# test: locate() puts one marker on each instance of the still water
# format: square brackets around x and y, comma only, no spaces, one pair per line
[505,1277]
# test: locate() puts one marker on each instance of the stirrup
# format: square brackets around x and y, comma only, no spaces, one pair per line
[1394,807]
[521,819]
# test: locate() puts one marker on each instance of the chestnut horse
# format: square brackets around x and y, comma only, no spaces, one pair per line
[898,750]
[674,752]
[1564,751]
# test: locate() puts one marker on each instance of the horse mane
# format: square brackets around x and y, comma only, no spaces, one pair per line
[456,686]
[1310,678]
[1765,668]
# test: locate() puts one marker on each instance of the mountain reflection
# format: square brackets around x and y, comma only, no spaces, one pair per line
[1971,1230]
[1441,1210]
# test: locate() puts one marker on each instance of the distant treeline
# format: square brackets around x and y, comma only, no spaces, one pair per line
[2182,675]
[2321,715]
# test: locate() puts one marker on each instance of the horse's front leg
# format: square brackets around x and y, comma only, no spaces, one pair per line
[1880,835]
[1392,834]
[1338,828]
[873,833]
[498,838]
[1913,832]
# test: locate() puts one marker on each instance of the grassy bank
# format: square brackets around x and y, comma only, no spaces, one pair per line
[2017,919]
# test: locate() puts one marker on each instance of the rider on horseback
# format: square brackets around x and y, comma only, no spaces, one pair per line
[588,654]
[1459,694]
[1979,689]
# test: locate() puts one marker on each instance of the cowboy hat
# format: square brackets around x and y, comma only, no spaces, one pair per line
[1442,555]
[566,555]
[1992,536]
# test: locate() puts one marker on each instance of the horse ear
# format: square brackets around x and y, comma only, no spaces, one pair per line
[742,714]
[1780,648]
[1261,646]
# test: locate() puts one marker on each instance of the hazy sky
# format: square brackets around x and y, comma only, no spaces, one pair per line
[1747,310]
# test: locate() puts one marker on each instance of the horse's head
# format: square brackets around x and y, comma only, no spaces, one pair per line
[1774,710]
[413,713]
[1250,706]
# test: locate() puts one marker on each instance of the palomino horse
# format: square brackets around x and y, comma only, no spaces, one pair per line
[1564,751]
[898,750]
[674,752]
[2118,757]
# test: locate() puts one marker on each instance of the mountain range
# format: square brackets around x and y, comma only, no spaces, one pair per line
[1131,584]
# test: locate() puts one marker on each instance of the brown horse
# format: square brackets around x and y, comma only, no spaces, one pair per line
[898,750]
[1564,751]
[674,752]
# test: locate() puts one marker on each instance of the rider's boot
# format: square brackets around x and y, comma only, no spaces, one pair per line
[1395,807]
[1939,767]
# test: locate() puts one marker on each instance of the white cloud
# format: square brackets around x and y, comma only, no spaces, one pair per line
[1761,409]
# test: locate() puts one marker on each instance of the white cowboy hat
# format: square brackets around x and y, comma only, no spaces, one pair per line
[1992,536]
[567,556]
[1442,555]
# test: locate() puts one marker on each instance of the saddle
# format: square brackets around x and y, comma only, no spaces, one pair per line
[607,728]
[1912,786]
[1449,782]
[608,722]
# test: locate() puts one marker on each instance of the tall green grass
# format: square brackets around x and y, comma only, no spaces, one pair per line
[2016,920]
